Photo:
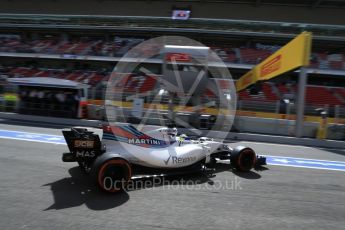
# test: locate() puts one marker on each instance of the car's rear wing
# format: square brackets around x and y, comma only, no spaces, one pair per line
[80,138]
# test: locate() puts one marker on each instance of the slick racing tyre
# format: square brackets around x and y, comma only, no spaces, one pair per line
[111,173]
[243,158]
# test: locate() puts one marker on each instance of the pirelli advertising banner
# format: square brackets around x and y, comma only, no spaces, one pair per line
[291,56]
[246,80]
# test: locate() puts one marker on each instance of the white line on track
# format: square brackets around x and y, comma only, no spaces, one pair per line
[309,167]
[270,163]
[289,146]
[23,139]
[272,144]
[40,134]
[301,158]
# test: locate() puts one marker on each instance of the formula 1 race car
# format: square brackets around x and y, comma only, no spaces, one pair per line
[115,155]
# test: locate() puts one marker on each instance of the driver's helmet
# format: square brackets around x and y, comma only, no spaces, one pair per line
[172,132]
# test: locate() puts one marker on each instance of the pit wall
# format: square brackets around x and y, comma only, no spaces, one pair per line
[270,125]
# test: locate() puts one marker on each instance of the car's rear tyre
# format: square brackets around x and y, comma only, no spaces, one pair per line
[112,174]
[243,158]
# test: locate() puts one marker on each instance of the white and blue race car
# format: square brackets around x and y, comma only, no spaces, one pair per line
[116,154]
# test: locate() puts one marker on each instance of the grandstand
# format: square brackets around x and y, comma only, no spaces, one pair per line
[83,46]
[244,53]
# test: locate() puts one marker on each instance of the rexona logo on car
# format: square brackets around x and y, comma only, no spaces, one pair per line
[271,66]
[83,144]
[180,160]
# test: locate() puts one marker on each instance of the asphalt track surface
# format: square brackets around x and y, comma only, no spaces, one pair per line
[38,191]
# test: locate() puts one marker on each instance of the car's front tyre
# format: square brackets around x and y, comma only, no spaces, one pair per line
[243,158]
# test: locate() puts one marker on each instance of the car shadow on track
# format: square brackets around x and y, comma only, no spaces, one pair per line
[79,189]
[245,175]
[170,181]
[192,179]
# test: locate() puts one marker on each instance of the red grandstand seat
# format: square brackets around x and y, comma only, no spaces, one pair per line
[336,64]
[43,73]
[267,90]
[148,84]
[283,89]
[244,95]
[95,78]
[340,91]
[319,95]
[71,76]
[253,56]
[209,93]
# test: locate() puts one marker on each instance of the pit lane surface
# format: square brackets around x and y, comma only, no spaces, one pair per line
[38,191]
